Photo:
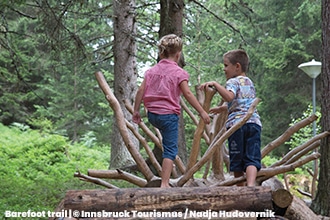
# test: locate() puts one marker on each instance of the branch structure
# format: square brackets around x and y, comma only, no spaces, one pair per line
[122,126]
[287,134]
[215,156]
[214,191]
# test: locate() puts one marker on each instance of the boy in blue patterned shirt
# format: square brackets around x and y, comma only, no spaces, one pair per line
[239,93]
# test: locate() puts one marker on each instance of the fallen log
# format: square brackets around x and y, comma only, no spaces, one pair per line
[298,210]
[253,199]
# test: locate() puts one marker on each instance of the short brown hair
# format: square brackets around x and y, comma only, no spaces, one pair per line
[238,56]
[169,45]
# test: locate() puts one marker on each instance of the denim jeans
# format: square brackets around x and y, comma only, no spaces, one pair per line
[244,147]
[168,127]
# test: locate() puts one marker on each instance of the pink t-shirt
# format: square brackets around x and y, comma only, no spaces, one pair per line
[162,90]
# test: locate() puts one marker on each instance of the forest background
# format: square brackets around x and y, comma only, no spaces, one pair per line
[54,117]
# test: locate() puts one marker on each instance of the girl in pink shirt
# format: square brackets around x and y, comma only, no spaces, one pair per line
[160,92]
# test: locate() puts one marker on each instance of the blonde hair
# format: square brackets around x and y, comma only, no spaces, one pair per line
[238,56]
[169,45]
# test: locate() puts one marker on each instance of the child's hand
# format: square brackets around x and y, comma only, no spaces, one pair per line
[205,85]
[136,117]
[205,117]
[218,109]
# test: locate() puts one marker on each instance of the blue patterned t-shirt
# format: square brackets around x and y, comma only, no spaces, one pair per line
[245,94]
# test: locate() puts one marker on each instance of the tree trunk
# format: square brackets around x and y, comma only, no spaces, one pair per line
[252,199]
[125,75]
[171,15]
[321,204]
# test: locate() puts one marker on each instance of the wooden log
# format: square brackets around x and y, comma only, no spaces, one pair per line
[253,199]
[298,210]
[282,198]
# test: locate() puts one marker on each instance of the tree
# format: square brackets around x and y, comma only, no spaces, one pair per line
[125,74]
[321,203]
[49,51]
[171,17]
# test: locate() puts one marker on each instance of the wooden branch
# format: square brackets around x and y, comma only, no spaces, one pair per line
[218,152]
[145,129]
[304,193]
[209,93]
[194,119]
[296,157]
[208,154]
[207,168]
[189,112]
[220,19]
[170,200]
[287,134]
[218,157]
[94,180]
[178,162]
[291,153]
[266,173]
[114,104]
[118,174]
[311,172]
[145,145]
[286,181]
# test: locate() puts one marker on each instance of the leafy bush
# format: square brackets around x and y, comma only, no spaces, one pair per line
[37,168]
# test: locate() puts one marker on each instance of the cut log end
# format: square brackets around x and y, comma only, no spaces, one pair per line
[282,198]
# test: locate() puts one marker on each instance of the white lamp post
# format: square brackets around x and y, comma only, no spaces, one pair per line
[313,69]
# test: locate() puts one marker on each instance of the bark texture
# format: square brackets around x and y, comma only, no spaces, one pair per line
[174,199]
[321,203]
[125,75]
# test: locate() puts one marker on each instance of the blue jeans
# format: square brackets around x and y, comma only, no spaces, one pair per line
[244,148]
[168,127]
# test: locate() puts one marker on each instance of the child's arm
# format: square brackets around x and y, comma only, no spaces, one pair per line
[193,101]
[137,103]
[227,95]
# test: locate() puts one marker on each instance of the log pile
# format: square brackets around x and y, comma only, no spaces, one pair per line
[215,190]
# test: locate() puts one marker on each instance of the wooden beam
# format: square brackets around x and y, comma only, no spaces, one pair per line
[253,199]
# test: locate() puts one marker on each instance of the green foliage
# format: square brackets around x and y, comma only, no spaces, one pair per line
[267,160]
[47,61]
[37,168]
[305,133]
[283,42]
[49,52]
